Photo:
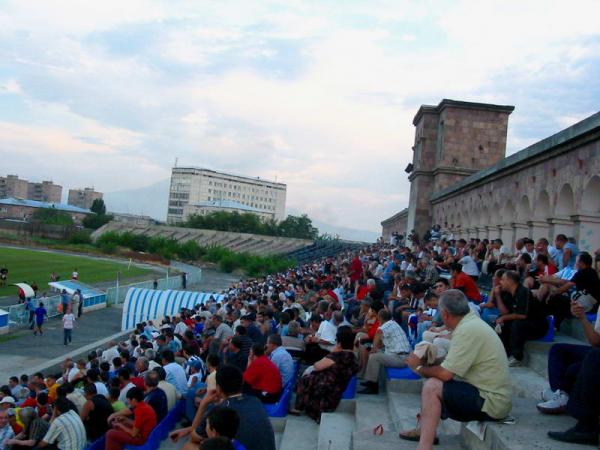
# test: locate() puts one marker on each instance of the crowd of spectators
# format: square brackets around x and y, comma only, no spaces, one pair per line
[312,329]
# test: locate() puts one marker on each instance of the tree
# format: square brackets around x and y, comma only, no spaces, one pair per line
[98,207]
[51,216]
[94,221]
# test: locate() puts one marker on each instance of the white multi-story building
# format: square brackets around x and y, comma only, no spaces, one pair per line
[199,191]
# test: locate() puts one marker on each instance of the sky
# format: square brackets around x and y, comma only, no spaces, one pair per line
[317,94]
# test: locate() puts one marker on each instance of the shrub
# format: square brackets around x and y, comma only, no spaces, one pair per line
[80,237]
[228,263]
[107,247]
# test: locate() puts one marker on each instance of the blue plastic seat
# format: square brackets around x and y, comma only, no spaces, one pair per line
[549,337]
[98,444]
[591,317]
[350,391]
[152,443]
[280,409]
[401,373]
[162,429]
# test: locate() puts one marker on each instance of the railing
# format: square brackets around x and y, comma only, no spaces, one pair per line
[18,316]
[116,295]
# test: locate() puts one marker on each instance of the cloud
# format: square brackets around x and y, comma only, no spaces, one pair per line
[319,95]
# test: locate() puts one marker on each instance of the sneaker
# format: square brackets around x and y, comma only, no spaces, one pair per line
[513,362]
[556,405]
[547,394]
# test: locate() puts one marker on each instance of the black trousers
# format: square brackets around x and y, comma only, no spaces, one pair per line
[584,400]
[560,307]
[313,353]
[516,332]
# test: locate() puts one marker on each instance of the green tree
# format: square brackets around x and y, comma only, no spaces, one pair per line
[51,216]
[98,207]
[94,221]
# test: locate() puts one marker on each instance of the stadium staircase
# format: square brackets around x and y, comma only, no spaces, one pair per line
[238,242]
[322,248]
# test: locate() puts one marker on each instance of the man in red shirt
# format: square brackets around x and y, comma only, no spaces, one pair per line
[132,432]
[262,378]
[465,283]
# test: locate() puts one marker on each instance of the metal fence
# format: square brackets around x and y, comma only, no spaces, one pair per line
[19,317]
[116,295]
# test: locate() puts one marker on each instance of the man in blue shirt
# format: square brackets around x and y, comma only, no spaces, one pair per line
[567,252]
[281,358]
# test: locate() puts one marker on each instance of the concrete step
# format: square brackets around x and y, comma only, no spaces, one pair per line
[301,433]
[526,383]
[404,407]
[536,352]
[335,432]
[528,433]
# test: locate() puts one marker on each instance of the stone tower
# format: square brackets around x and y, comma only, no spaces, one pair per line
[452,140]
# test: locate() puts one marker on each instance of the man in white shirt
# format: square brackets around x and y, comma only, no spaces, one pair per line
[390,349]
[469,266]
[111,352]
[124,376]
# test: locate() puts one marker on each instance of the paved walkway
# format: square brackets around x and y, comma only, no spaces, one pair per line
[21,350]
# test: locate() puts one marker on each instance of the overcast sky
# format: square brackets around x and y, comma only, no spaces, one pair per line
[318,94]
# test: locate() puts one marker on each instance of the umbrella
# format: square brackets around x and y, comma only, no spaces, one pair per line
[26,289]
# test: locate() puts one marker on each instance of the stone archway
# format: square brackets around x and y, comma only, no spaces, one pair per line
[524,210]
[542,206]
[565,204]
[590,201]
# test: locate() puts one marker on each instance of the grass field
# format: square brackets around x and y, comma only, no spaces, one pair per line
[31,265]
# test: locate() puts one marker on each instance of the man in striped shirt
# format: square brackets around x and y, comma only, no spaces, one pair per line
[67,431]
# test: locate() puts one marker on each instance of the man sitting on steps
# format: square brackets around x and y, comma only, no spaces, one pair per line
[473,381]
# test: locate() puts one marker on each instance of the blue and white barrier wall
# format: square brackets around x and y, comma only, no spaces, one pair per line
[3,321]
[149,304]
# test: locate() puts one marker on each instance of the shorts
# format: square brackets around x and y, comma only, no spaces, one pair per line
[461,401]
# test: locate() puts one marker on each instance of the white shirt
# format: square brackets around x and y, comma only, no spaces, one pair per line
[109,354]
[124,391]
[469,266]
[327,331]
[394,339]
[181,328]
[72,374]
[68,321]
[101,388]
[170,392]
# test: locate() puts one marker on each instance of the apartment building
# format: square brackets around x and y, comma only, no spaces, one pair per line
[83,198]
[45,191]
[196,190]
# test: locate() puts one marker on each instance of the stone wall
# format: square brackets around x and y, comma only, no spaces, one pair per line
[396,223]
[549,188]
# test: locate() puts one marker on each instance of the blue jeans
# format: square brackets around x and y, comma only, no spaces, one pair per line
[67,335]
[190,397]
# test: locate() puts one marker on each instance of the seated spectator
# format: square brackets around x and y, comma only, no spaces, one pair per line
[522,317]
[320,390]
[541,268]
[294,341]
[234,355]
[464,283]
[213,363]
[154,396]
[125,382]
[489,310]
[113,397]
[281,358]
[66,430]
[34,430]
[262,378]
[567,252]
[93,376]
[66,390]
[6,431]
[95,413]
[390,349]
[131,432]
[166,387]
[175,373]
[224,422]
[255,431]
[477,358]
[469,266]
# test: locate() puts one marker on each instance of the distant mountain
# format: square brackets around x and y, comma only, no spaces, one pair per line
[149,201]
[152,201]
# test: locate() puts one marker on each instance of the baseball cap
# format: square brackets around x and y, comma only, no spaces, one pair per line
[8,399]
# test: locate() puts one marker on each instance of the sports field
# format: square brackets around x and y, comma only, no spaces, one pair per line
[31,265]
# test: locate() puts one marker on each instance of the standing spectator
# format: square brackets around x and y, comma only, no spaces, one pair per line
[34,288]
[132,432]
[67,430]
[75,274]
[40,312]
[183,280]
[567,252]
[64,300]
[3,276]
[30,308]
[68,323]
[155,284]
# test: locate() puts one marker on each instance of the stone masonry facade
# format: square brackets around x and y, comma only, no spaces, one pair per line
[548,188]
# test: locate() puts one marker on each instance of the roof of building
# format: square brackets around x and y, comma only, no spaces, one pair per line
[404,212]
[445,103]
[229,174]
[35,204]
[228,204]
[590,124]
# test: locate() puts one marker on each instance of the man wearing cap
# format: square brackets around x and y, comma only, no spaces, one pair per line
[6,403]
